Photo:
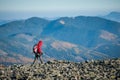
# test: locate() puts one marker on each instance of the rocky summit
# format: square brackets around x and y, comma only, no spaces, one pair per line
[64,70]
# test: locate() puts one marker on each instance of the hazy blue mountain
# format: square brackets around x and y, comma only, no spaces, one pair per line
[75,39]
[90,32]
[114,16]
[4,21]
[30,26]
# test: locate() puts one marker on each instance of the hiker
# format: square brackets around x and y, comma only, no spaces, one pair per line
[38,51]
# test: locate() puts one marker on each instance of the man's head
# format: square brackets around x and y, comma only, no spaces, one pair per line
[40,41]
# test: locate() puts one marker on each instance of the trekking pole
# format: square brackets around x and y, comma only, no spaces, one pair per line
[46,54]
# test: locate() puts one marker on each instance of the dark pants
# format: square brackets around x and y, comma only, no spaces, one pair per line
[38,55]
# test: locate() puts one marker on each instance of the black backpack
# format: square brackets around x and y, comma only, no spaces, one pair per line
[35,48]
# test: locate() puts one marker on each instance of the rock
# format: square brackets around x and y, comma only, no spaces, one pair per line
[64,70]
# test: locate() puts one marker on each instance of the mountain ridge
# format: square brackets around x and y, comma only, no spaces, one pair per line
[114,16]
[93,36]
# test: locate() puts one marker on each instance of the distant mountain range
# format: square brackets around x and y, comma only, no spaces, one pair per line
[4,21]
[115,16]
[67,38]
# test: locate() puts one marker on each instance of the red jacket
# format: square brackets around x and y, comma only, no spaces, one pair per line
[39,46]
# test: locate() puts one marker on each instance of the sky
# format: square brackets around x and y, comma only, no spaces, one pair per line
[22,9]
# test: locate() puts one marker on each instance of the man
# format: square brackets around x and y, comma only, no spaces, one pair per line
[37,49]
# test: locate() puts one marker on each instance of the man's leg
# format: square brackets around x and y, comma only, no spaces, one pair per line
[35,59]
[41,58]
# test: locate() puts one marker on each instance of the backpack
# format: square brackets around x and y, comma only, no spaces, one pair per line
[35,48]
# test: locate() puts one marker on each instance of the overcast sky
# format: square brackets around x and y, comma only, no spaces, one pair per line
[20,9]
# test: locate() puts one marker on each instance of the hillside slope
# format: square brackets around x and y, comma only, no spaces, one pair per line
[67,38]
